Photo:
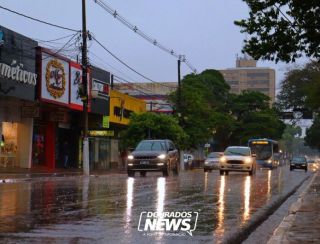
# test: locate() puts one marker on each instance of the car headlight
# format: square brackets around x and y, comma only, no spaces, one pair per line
[206,162]
[248,160]
[130,157]
[162,156]
[269,161]
[223,159]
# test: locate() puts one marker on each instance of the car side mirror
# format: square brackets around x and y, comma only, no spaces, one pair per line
[254,155]
[171,149]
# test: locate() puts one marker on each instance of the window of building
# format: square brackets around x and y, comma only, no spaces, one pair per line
[263,90]
[117,111]
[258,82]
[233,82]
[258,75]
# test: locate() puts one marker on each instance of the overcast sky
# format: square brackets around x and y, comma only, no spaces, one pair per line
[202,30]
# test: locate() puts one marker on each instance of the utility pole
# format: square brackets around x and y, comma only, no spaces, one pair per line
[179,110]
[179,88]
[85,148]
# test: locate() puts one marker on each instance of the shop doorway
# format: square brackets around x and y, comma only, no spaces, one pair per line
[99,152]
[67,145]
[38,145]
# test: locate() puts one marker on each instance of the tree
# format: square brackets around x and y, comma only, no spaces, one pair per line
[201,112]
[300,88]
[282,30]
[290,138]
[313,134]
[153,126]
[255,118]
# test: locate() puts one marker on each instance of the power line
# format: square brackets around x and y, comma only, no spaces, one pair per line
[129,67]
[111,66]
[129,84]
[134,84]
[286,17]
[135,29]
[38,20]
[120,79]
[54,40]
[66,45]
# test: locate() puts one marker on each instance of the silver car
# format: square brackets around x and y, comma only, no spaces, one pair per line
[238,159]
[212,161]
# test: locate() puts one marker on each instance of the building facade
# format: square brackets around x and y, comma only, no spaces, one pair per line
[154,94]
[247,76]
[58,131]
[121,107]
[18,80]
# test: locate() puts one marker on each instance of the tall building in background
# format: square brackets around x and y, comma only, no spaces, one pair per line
[247,76]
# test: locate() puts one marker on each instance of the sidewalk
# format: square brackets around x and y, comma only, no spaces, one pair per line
[15,174]
[302,225]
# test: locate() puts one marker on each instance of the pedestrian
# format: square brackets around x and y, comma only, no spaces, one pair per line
[124,155]
[65,154]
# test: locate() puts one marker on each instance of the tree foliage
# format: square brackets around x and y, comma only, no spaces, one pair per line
[313,134]
[255,118]
[290,138]
[209,111]
[201,112]
[300,89]
[153,126]
[282,30]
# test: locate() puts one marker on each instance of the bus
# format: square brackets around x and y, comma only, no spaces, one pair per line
[266,151]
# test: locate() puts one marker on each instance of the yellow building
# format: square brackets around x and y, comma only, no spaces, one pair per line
[122,105]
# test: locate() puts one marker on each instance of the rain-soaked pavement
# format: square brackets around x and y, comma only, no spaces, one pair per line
[106,209]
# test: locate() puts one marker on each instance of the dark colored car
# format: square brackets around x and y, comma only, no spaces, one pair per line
[154,155]
[299,162]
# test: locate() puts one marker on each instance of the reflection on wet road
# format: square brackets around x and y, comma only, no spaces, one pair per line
[106,209]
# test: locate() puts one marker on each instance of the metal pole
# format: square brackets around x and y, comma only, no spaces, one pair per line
[179,87]
[179,112]
[111,82]
[85,149]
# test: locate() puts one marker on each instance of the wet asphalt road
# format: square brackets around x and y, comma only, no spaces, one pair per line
[106,209]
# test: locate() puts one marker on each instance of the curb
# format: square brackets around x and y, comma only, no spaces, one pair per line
[279,233]
[241,235]
[28,177]
[44,176]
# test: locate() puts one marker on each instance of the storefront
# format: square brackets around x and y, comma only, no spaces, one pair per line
[58,131]
[100,153]
[18,79]
[121,107]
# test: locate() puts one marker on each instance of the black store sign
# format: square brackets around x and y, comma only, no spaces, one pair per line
[18,76]
[99,105]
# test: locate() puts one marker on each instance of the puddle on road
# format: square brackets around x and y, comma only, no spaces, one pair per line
[108,206]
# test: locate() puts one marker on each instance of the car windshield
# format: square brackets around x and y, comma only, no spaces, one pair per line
[237,151]
[298,160]
[151,146]
[214,155]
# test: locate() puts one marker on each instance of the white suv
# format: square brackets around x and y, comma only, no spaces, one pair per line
[237,159]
